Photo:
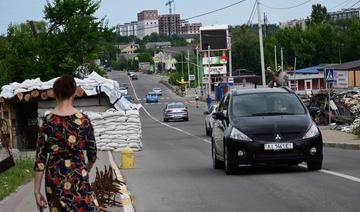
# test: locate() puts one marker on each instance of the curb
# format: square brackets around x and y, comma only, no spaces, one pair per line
[125,194]
[342,146]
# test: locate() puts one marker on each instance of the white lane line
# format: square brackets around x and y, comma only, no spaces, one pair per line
[125,195]
[345,176]
[167,125]
[348,177]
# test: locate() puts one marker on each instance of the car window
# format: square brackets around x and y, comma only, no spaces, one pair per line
[177,105]
[266,104]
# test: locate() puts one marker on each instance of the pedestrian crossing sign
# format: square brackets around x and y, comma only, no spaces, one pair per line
[329,75]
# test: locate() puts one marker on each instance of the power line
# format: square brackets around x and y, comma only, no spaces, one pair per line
[286,8]
[252,14]
[355,4]
[342,3]
[193,17]
[214,11]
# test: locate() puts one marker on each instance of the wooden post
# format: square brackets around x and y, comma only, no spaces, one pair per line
[10,127]
[79,92]
[50,93]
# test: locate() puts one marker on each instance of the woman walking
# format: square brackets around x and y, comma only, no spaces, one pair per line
[64,135]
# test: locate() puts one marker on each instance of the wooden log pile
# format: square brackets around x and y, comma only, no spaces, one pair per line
[41,95]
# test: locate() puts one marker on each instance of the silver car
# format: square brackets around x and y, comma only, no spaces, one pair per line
[176,111]
[209,121]
[158,91]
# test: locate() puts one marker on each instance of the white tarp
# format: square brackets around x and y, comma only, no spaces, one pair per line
[94,84]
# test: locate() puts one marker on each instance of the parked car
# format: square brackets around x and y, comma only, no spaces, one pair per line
[209,121]
[158,91]
[134,76]
[129,98]
[265,126]
[151,97]
[123,90]
[176,111]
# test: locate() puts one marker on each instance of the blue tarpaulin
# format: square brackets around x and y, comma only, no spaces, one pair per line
[309,70]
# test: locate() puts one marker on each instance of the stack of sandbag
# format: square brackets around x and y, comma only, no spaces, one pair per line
[115,130]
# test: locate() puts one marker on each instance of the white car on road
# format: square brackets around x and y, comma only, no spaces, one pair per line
[158,91]
[123,90]
[209,121]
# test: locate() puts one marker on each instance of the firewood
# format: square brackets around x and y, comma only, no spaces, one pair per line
[2,100]
[44,95]
[50,93]
[35,93]
[27,97]
[79,92]
[20,96]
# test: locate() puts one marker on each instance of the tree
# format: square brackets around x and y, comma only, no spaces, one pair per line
[319,15]
[75,34]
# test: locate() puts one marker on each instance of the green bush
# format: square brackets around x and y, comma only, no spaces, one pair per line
[356,132]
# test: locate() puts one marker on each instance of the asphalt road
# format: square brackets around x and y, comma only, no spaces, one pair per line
[174,171]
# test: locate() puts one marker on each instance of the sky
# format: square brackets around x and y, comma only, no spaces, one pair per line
[121,11]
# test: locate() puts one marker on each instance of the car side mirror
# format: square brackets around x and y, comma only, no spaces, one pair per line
[314,111]
[218,115]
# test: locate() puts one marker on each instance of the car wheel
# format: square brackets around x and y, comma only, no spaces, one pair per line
[166,120]
[314,165]
[217,164]
[186,119]
[207,130]
[229,164]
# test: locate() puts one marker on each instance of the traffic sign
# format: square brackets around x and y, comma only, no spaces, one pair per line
[329,75]
[191,77]
[231,81]
[205,79]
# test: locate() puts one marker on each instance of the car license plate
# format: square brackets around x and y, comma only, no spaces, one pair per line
[278,146]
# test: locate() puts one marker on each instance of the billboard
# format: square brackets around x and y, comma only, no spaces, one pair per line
[213,70]
[215,36]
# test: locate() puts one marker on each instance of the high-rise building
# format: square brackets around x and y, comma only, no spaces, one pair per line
[345,14]
[170,24]
[148,23]
[127,29]
[190,28]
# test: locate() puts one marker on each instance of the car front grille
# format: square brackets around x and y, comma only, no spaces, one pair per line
[271,136]
[268,155]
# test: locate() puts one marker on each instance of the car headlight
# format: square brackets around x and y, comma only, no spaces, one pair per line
[238,135]
[312,132]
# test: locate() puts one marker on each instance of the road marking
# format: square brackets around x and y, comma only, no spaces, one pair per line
[348,177]
[345,176]
[167,125]
[125,195]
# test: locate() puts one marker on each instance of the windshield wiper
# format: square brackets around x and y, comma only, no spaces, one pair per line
[272,114]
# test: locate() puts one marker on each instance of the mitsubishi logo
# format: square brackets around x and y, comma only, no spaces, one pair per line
[278,137]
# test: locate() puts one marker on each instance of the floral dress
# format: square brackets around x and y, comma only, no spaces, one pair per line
[60,153]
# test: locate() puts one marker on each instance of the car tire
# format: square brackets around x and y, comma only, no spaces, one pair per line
[217,164]
[314,165]
[166,120]
[186,119]
[228,162]
[207,130]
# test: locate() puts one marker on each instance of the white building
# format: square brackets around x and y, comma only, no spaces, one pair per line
[345,14]
[148,23]
[127,29]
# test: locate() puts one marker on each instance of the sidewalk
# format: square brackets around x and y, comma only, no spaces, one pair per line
[23,199]
[338,139]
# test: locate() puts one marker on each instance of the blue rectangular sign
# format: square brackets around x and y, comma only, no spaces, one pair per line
[329,75]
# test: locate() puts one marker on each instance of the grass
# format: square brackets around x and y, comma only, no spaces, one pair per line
[16,176]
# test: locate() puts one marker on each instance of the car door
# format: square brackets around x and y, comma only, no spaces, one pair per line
[220,126]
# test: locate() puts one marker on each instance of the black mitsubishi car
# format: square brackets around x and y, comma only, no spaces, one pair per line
[265,126]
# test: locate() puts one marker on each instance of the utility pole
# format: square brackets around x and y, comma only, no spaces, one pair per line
[209,80]
[282,59]
[188,65]
[182,65]
[197,66]
[230,57]
[275,53]
[261,44]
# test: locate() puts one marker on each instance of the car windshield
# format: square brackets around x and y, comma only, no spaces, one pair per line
[266,104]
[122,88]
[176,105]
[156,89]
[152,94]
